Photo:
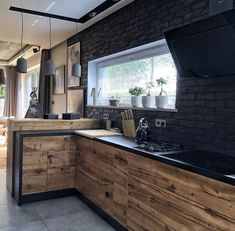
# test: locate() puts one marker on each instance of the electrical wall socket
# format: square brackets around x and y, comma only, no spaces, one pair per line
[160,123]
[106,116]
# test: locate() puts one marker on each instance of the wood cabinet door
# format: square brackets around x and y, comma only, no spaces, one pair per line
[163,197]
[120,186]
[34,172]
[101,175]
[48,163]
[94,173]
[58,170]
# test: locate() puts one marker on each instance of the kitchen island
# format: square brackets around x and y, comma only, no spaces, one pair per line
[49,131]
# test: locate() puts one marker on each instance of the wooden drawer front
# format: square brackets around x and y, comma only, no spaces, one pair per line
[46,143]
[163,197]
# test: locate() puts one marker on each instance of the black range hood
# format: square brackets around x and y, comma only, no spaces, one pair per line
[205,48]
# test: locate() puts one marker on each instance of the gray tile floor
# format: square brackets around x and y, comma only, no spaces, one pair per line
[64,214]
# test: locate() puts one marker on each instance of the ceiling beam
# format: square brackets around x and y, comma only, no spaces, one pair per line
[27,11]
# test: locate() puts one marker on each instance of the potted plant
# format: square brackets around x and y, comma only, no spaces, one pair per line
[136,100]
[115,101]
[162,99]
[148,101]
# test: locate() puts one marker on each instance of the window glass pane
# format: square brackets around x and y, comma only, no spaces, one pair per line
[2,98]
[115,80]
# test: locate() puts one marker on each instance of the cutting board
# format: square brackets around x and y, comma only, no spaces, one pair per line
[96,133]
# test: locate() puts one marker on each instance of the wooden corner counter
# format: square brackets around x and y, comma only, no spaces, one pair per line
[38,126]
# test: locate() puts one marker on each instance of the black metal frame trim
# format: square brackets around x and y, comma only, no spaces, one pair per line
[34,12]
[99,9]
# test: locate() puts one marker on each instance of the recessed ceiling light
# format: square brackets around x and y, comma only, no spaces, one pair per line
[92,14]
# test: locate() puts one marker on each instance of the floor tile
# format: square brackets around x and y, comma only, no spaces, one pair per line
[33,226]
[83,221]
[58,207]
[14,215]
[5,197]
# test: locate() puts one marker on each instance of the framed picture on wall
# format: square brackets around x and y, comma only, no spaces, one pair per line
[59,81]
[75,101]
[73,56]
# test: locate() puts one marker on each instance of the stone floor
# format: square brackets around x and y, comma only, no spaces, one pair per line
[64,214]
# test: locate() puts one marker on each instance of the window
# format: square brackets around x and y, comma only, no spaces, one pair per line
[25,85]
[115,76]
[2,98]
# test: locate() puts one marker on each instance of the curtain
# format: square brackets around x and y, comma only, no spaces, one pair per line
[10,106]
[44,95]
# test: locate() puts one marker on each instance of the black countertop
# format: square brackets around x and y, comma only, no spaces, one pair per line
[213,165]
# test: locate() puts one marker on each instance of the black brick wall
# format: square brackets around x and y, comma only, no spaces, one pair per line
[206,107]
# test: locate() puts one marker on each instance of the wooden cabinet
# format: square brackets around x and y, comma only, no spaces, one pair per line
[163,197]
[101,175]
[147,195]
[48,163]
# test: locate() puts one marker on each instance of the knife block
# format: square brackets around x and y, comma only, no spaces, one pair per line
[128,127]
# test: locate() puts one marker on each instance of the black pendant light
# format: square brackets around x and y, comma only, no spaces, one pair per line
[21,62]
[2,77]
[50,66]
[76,67]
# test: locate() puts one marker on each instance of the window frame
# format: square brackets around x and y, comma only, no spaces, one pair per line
[146,51]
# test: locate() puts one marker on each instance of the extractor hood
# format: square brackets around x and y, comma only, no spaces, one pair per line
[205,48]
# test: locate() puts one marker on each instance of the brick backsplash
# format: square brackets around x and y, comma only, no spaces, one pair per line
[206,106]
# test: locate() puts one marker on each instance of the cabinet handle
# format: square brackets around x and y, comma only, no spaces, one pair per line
[49,157]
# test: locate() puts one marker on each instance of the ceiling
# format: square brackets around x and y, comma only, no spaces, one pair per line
[36,28]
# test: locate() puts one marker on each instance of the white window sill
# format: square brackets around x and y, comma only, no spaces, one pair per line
[134,108]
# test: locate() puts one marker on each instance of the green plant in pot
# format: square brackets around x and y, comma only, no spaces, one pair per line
[148,101]
[136,98]
[162,100]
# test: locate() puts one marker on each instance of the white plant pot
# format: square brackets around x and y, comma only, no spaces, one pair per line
[136,101]
[148,101]
[162,101]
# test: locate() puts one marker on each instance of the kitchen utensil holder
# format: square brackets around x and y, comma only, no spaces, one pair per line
[128,127]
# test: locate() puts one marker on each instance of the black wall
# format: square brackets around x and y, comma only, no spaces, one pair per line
[206,107]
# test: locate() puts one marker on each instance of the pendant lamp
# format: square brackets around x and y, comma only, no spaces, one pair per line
[21,62]
[76,67]
[2,77]
[50,66]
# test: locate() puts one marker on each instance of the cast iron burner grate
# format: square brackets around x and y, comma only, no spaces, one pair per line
[162,147]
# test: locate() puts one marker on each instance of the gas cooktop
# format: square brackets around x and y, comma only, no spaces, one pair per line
[162,147]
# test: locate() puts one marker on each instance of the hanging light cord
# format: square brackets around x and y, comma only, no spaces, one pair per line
[22,29]
[50,31]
